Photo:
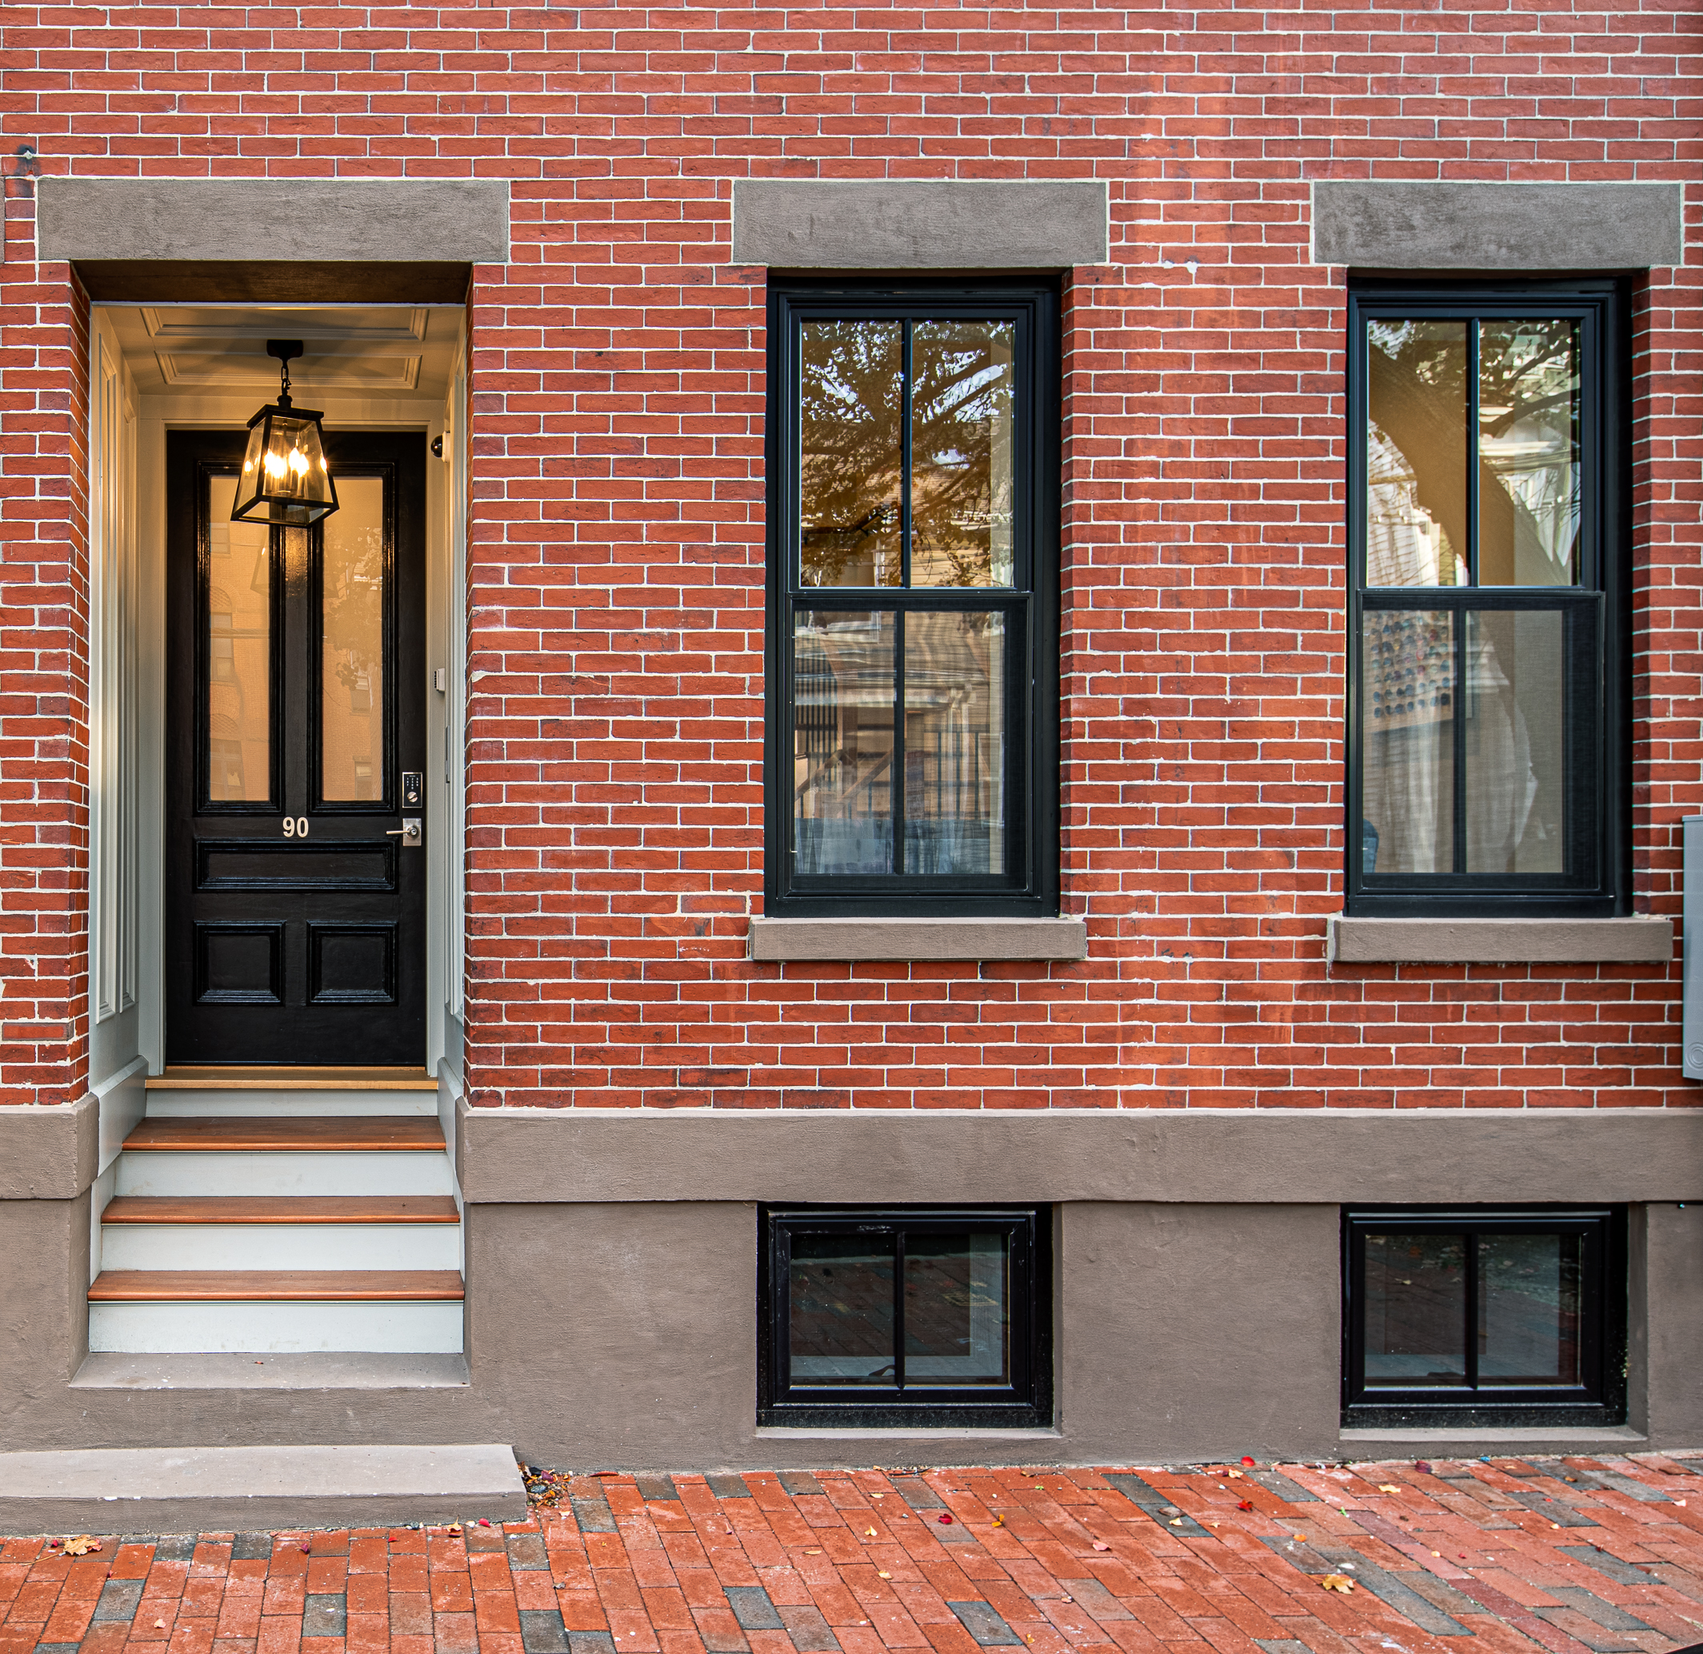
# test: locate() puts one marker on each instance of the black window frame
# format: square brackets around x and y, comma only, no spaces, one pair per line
[1599,882]
[1599,1401]
[1030,888]
[1027,1403]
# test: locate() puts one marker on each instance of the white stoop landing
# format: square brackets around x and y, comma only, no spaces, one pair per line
[282,1211]
[255,1489]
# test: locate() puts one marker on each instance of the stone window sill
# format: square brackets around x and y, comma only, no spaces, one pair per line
[913,939]
[1367,941]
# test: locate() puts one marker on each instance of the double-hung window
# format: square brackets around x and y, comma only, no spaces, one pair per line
[1486,694]
[912,758]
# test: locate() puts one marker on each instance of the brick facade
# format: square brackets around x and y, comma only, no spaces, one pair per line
[616,586]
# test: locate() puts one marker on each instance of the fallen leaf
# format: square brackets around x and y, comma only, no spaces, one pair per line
[1248,1460]
[812,1553]
[883,1576]
[1099,1545]
[1555,1524]
[1337,1582]
[1423,1466]
[1388,1487]
[999,1521]
[1680,1503]
[484,1521]
[81,1545]
[1246,1504]
[1177,1521]
[943,1517]
[1235,1475]
[1436,1553]
[306,1549]
[453,1529]
[159,1625]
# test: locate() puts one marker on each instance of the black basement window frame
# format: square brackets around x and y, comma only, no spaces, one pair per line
[925,578]
[1468,1263]
[1488,595]
[861,1308]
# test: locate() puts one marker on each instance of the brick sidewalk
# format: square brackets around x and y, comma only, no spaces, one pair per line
[1580,1555]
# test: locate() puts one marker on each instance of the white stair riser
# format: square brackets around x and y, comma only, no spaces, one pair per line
[290,1172]
[281,1246]
[432,1328]
[268,1105]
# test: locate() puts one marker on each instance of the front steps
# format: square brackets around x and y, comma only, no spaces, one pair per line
[255,1489]
[282,1211]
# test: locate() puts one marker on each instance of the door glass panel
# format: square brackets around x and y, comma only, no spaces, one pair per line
[840,1310]
[239,653]
[1528,1309]
[351,718]
[956,1309]
[843,742]
[961,446]
[955,743]
[1407,717]
[1416,453]
[1528,448]
[1515,716]
[1415,1310]
[851,458]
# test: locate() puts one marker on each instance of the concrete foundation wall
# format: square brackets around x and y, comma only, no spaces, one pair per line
[622,1331]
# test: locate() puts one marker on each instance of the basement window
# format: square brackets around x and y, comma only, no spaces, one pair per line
[908,1316]
[1484,1317]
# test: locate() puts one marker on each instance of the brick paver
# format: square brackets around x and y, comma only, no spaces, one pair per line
[1574,1556]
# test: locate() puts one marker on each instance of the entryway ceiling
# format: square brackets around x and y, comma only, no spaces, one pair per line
[378,350]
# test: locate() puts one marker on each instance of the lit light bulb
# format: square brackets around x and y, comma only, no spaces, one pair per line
[298,462]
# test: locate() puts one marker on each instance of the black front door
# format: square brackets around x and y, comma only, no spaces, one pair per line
[295,752]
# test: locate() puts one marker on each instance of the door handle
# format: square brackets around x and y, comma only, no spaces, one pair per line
[408,832]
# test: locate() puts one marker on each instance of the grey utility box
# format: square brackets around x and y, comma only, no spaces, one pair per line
[1693,947]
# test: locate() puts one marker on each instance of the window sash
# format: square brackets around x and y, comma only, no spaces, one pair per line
[1016,832]
[1594,1321]
[1018,1401]
[1591,779]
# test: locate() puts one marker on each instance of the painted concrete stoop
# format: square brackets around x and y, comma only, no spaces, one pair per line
[282,1211]
[255,1489]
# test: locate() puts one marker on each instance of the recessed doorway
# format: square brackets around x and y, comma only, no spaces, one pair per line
[275,708]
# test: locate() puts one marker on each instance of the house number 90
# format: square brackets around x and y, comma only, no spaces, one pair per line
[295,826]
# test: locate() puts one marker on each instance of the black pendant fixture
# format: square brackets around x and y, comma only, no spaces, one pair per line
[284,476]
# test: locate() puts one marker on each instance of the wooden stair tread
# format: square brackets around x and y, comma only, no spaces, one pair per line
[135,1286]
[304,1078]
[302,1133]
[281,1209]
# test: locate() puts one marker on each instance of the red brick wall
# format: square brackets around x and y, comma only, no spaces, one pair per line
[615,806]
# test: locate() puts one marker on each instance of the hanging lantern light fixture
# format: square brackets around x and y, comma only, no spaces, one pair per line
[284,476]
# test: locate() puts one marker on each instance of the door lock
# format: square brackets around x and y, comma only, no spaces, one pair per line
[413,789]
[408,832]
